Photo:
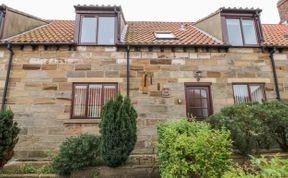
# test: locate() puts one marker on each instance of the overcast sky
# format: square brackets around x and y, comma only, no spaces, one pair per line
[148,10]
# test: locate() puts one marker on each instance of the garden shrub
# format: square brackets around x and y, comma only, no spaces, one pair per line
[76,153]
[246,122]
[277,121]
[260,168]
[192,149]
[8,135]
[118,131]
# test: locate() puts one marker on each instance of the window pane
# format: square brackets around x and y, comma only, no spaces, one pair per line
[197,102]
[109,92]
[88,30]
[241,93]
[257,93]
[80,94]
[249,32]
[196,112]
[106,34]
[95,100]
[234,32]
[164,35]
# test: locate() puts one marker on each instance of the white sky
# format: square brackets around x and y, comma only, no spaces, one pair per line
[146,10]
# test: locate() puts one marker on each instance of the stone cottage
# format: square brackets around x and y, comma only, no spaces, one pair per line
[57,74]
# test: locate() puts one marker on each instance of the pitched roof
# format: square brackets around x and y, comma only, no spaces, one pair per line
[275,34]
[62,31]
[57,31]
[185,33]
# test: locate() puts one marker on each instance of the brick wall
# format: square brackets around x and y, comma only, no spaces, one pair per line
[40,89]
[283,10]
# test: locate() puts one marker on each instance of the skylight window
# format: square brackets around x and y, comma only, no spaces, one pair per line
[164,35]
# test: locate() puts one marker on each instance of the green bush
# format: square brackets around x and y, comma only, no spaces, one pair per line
[260,168]
[246,122]
[192,149]
[8,136]
[118,130]
[76,153]
[277,121]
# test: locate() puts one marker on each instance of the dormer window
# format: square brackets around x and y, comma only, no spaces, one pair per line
[98,25]
[97,30]
[241,32]
[241,27]
[164,35]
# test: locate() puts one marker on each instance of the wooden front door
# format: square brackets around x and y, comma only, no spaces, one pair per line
[198,101]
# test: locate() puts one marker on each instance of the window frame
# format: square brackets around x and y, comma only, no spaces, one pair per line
[87,96]
[199,85]
[249,91]
[79,28]
[241,17]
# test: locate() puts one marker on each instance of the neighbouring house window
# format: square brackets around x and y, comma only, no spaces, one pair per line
[198,101]
[241,31]
[97,30]
[248,92]
[89,98]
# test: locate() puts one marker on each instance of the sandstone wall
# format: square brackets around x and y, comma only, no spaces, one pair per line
[40,88]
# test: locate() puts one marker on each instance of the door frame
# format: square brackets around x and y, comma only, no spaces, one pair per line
[199,84]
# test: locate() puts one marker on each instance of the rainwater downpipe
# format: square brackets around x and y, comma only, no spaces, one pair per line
[128,70]
[272,52]
[11,53]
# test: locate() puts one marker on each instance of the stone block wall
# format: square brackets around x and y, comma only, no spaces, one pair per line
[40,89]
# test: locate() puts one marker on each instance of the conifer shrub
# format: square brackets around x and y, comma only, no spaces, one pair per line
[76,153]
[192,149]
[8,135]
[118,130]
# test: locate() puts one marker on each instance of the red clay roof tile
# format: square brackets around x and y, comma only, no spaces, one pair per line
[57,31]
[62,31]
[274,34]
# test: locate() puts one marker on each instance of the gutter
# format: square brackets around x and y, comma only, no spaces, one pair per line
[128,70]
[37,43]
[172,45]
[272,52]
[4,98]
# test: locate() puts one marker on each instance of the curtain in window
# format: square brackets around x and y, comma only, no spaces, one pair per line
[248,92]
[256,93]
[94,101]
[80,94]
[90,98]
[241,94]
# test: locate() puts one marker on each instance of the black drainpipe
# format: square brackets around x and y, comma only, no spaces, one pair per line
[128,70]
[275,73]
[11,53]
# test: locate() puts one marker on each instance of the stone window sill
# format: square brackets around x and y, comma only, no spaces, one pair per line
[82,121]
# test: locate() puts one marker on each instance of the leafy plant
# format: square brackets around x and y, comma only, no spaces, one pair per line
[260,168]
[192,149]
[246,122]
[8,135]
[277,121]
[28,169]
[118,130]
[76,153]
